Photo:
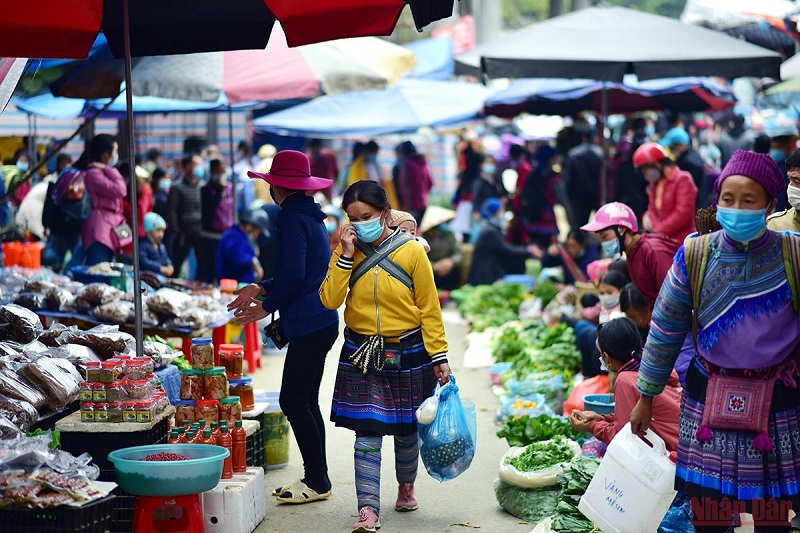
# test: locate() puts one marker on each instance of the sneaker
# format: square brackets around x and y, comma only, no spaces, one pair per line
[368,521]
[406,501]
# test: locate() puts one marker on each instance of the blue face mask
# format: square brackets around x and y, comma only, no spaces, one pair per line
[164,185]
[489,169]
[330,226]
[369,230]
[114,160]
[22,166]
[198,172]
[610,248]
[778,155]
[742,225]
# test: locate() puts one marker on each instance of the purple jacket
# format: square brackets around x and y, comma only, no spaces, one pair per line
[107,190]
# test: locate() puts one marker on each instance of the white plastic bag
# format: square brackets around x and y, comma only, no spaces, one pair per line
[532,480]
[426,412]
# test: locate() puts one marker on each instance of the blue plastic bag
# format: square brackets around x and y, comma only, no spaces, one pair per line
[447,445]
[679,516]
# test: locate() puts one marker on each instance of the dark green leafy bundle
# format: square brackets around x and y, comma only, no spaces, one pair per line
[525,430]
[530,505]
[546,291]
[574,480]
[490,305]
[541,455]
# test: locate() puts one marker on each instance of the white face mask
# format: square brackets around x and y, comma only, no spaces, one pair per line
[603,366]
[794,196]
[609,301]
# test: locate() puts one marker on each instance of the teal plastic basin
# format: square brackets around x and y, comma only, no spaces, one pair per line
[602,404]
[168,478]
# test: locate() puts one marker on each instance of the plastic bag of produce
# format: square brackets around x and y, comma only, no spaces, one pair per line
[532,404]
[30,300]
[105,340]
[94,294]
[12,386]
[447,445]
[19,412]
[168,303]
[426,413]
[19,324]
[548,383]
[538,464]
[59,299]
[530,505]
[113,312]
[52,335]
[60,387]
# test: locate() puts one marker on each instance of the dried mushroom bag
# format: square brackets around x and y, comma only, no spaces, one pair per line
[59,387]
[114,312]
[38,285]
[19,324]
[168,302]
[96,294]
[105,340]
[75,353]
[148,317]
[160,353]
[30,300]
[10,349]
[52,336]
[13,386]
[59,299]
[19,412]
[191,318]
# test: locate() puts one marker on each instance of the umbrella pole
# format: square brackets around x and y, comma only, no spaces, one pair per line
[604,173]
[233,155]
[137,293]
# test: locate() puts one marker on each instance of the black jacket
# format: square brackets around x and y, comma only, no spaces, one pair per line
[184,208]
[491,255]
[691,162]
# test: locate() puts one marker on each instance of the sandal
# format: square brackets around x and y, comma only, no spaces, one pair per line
[298,492]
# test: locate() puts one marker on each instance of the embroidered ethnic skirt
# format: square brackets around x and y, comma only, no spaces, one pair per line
[383,403]
[729,466]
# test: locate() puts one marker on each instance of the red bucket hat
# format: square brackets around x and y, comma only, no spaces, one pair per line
[292,170]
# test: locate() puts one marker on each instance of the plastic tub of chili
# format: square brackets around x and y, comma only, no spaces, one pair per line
[159,470]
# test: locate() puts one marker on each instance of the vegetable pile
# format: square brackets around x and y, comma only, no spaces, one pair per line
[525,430]
[574,482]
[535,347]
[541,455]
[489,305]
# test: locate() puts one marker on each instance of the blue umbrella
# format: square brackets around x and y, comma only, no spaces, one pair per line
[405,108]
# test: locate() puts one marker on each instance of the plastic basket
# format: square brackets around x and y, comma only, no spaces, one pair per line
[95,516]
[602,404]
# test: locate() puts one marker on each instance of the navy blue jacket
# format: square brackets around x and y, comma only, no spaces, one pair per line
[151,257]
[235,256]
[302,253]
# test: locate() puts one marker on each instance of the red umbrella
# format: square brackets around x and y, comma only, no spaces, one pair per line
[67,28]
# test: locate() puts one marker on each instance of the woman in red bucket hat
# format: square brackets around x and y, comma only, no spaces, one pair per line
[302,252]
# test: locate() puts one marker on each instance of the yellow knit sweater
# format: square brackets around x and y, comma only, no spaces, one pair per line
[379,298]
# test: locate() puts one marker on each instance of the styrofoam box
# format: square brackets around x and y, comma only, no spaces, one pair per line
[236,505]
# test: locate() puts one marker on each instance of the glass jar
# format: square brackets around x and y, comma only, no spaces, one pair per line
[129,411]
[160,401]
[138,388]
[144,411]
[191,384]
[215,383]
[184,410]
[110,371]
[115,392]
[230,409]
[101,412]
[137,368]
[202,353]
[98,392]
[85,393]
[207,410]
[123,363]
[243,388]
[87,412]
[93,369]
[115,412]
[231,357]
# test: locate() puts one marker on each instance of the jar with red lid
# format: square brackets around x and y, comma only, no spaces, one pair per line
[138,368]
[87,412]
[115,392]
[138,388]
[192,384]
[93,369]
[101,412]
[160,401]
[144,411]
[110,371]
[98,392]
[207,410]
[231,357]
[215,383]
[129,411]
[230,409]
[85,393]
[115,412]
[184,410]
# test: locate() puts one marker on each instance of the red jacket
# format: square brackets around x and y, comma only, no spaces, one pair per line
[666,410]
[649,262]
[414,183]
[675,216]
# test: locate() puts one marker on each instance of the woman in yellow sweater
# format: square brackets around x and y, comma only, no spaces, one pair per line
[394,349]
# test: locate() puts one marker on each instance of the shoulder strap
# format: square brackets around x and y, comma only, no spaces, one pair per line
[374,258]
[696,254]
[791,260]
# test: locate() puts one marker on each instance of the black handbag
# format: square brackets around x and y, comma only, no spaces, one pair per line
[274,331]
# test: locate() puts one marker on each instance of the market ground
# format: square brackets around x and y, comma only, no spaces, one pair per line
[459,505]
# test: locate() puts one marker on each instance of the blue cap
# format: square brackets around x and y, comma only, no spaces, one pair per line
[201,341]
[153,221]
[490,207]
[673,137]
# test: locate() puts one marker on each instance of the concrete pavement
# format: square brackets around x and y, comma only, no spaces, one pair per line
[460,505]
